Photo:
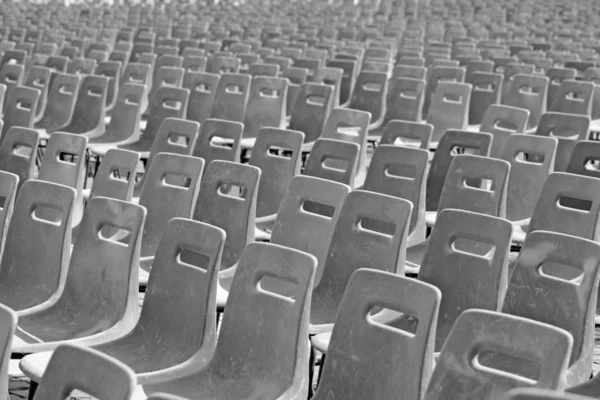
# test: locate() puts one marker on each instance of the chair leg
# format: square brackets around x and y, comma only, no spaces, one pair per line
[311,370]
[32,388]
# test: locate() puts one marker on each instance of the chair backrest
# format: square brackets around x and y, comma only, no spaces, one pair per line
[227,200]
[568,204]
[405,99]
[556,76]
[529,92]
[486,92]
[33,270]
[266,105]
[297,79]
[192,64]
[166,77]
[573,97]
[104,266]
[584,158]
[311,110]
[544,303]
[64,160]
[126,115]
[475,66]
[439,74]
[400,172]
[467,259]
[568,129]
[458,374]
[112,71]
[349,125]
[116,175]
[11,75]
[90,109]
[531,159]
[275,350]
[370,94]
[8,195]
[175,135]
[364,358]
[334,160]
[332,77]
[82,368]
[371,232]
[62,97]
[81,66]
[511,69]
[409,71]
[18,153]
[202,87]
[219,129]
[39,78]
[477,143]
[277,152]
[407,133]
[170,190]
[19,109]
[502,121]
[348,78]
[231,97]
[476,183]
[449,108]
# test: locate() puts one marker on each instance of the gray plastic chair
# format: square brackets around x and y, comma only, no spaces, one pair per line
[556,76]
[19,109]
[459,375]
[140,74]
[573,97]
[185,273]
[8,194]
[219,140]
[364,358]
[529,92]
[99,267]
[311,111]
[90,109]
[333,160]
[449,108]
[371,232]
[542,304]
[407,133]
[297,79]
[350,69]
[202,88]
[584,158]
[370,95]
[231,97]
[266,357]
[18,153]
[112,71]
[81,66]
[266,107]
[116,176]
[39,78]
[74,368]
[62,97]
[437,75]
[166,77]
[32,271]
[485,92]
[502,121]
[405,99]
[332,77]
[11,75]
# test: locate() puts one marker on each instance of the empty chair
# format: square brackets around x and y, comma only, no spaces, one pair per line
[32,271]
[405,99]
[64,163]
[363,359]
[529,92]
[531,159]
[370,95]
[112,71]
[90,109]
[168,102]
[166,77]
[99,266]
[437,75]
[274,349]
[406,133]
[449,108]
[8,194]
[556,76]
[116,174]
[476,66]
[267,70]
[18,153]
[459,376]
[297,79]
[62,97]
[277,153]
[73,368]
[486,92]
[348,78]
[219,140]
[11,75]
[584,158]
[334,160]
[568,129]
[311,110]
[202,87]
[512,69]
[19,109]
[371,232]
[227,200]
[530,269]
[503,121]
[81,66]
[266,107]
[333,77]
[573,97]
[141,74]
[39,78]
[231,97]
[409,71]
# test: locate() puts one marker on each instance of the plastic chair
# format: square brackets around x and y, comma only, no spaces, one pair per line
[11,75]
[405,100]
[485,93]
[19,109]
[511,69]
[62,97]
[478,66]
[371,232]
[370,95]
[81,66]
[185,272]
[100,267]
[556,76]
[529,92]
[202,87]
[33,271]
[409,71]
[574,97]
[460,375]
[503,121]
[18,153]
[350,69]
[271,154]
[231,97]
[115,177]
[227,199]
[170,190]
[226,145]
[64,163]
[90,109]
[406,133]
[275,351]
[364,357]
[584,158]
[141,74]
[166,77]
[193,64]
[168,102]
[530,270]
[333,77]
[266,107]
[74,368]
[311,111]
[112,71]
[568,129]
[39,78]
[8,194]
[449,108]
[175,135]
[297,79]
[437,75]
[334,160]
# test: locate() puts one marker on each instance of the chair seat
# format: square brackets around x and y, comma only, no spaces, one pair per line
[319,329]
[321,342]
[518,235]
[414,257]
[595,125]
[430,217]
[473,128]
[260,235]
[34,365]
[222,296]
